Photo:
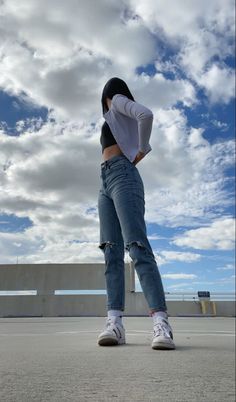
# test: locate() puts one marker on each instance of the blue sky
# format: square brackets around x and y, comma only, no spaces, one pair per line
[53,69]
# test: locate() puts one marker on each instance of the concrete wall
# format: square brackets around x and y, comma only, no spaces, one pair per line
[46,278]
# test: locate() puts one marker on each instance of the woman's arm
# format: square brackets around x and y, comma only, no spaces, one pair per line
[140,113]
[108,101]
[140,155]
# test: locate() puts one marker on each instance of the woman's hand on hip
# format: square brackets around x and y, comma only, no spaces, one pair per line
[140,155]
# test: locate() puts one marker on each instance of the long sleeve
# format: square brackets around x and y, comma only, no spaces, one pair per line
[140,113]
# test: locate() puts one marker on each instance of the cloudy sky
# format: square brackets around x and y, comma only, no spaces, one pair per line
[178,59]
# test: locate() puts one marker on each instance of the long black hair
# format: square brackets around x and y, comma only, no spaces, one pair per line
[114,86]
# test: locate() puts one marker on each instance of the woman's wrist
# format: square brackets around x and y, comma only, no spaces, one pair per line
[140,155]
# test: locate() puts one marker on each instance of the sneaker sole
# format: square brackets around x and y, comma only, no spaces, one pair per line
[109,341]
[163,346]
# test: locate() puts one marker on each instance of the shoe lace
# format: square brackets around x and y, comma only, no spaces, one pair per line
[161,329]
[110,322]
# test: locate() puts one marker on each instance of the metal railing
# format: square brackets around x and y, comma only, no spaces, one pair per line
[194,296]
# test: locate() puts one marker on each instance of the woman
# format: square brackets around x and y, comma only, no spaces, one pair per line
[121,206]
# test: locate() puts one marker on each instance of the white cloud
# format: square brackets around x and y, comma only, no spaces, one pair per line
[219,84]
[179,276]
[200,33]
[155,236]
[184,285]
[169,91]
[68,55]
[220,125]
[228,279]
[165,257]
[180,256]
[227,267]
[52,163]
[220,235]
[49,178]
[219,282]
[184,173]
[36,246]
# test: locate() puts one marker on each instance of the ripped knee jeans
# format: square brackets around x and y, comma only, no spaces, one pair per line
[121,208]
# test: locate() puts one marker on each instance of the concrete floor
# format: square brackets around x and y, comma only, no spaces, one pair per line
[58,359]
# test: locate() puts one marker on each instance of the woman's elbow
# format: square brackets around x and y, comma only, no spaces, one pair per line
[147,115]
[151,117]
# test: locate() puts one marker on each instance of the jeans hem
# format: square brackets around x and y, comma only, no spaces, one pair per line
[154,310]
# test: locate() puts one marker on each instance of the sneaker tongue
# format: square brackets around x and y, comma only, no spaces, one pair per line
[114,318]
[161,319]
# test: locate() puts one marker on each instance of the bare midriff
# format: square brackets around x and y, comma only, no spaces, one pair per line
[111,151]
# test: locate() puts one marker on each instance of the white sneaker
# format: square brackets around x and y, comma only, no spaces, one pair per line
[162,336]
[113,334]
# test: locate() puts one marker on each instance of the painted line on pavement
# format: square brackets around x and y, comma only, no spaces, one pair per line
[131,332]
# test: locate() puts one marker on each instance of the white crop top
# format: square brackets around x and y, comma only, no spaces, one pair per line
[131,125]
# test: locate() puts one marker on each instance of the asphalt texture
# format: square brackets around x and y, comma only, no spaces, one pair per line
[58,359]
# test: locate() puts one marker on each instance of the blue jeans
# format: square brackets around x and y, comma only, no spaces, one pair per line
[121,208]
